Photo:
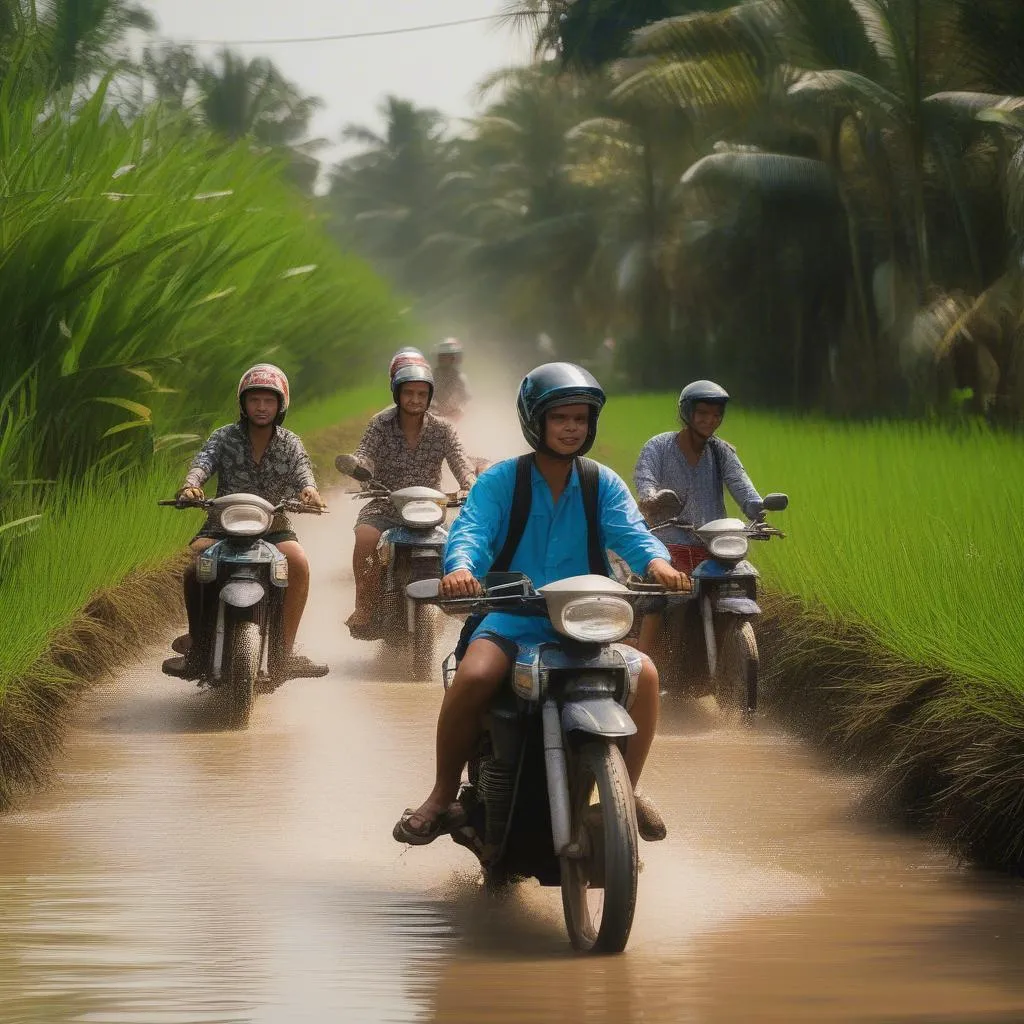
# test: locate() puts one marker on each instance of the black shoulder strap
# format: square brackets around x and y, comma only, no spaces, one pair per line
[522,498]
[590,482]
[717,453]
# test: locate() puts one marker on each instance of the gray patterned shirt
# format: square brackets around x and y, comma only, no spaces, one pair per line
[662,466]
[284,471]
[386,453]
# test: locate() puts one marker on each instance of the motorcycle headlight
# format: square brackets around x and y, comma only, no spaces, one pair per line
[245,520]
[600,619]
[731,547]
[422,513]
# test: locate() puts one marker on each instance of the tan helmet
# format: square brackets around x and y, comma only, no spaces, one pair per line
[265,377]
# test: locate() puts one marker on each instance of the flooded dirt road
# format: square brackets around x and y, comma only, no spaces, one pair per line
[179,873]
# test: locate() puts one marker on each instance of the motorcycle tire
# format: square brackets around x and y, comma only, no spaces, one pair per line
[738,666]
[244,646]
[607,832]
[275,648]
[424,643]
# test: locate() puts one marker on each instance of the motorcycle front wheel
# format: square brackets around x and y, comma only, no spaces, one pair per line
[738,667]
[599,882]
[424,642]
[244,647]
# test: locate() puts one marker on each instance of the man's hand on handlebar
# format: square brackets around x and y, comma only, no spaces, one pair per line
[311,496]
[190,494]
[662,573]
[461,583]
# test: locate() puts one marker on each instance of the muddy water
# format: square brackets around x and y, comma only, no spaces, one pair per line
[181,873]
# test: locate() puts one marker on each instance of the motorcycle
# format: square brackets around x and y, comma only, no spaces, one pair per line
[410,552]
[720,611]
[243,580]
[548,795]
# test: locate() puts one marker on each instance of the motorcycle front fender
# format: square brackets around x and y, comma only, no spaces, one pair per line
[242,593]
[605,718]
[737,606]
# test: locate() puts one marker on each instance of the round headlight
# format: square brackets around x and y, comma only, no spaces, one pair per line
[600,619]
[422,513]
[731,547]
[245,520]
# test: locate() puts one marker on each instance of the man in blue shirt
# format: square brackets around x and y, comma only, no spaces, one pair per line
[559,405]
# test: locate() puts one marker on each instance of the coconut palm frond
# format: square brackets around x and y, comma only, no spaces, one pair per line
[749,27]
[841,88]
[768,173]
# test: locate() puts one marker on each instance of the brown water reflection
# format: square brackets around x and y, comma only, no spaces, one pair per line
[180,873]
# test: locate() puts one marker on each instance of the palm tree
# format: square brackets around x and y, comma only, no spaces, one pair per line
[85,35]
[385,197]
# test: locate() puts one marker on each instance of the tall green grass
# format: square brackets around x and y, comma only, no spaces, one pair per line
[912,530]
[143,266]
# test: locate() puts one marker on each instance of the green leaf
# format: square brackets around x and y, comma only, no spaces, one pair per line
[126,403]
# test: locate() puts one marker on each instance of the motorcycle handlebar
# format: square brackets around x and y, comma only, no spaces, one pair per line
[207,503]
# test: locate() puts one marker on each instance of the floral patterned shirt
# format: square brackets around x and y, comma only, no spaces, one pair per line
[284,471]
[386,453]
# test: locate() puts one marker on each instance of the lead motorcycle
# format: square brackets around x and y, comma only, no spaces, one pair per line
[548,794]
[243,577]
[720,611]
[410,552]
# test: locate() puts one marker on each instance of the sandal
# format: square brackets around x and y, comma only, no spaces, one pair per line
[363,629]
[649,822]
[430,828]
[298,666]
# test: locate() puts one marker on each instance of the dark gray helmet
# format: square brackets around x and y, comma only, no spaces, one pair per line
[410,373]
[701,391]
[551,385]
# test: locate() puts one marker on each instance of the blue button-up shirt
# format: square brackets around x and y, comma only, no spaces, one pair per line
[554,544]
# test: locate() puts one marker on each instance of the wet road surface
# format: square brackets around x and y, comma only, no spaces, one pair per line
[179,873]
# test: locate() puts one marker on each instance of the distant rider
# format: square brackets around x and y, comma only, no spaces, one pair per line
[559,405]
[406,445]
[451,385]
[697,466]
[256,455]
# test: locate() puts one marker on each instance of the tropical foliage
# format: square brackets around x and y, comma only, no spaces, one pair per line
[820,201]
[146,260]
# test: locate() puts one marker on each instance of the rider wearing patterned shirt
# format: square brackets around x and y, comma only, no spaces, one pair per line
[404,446]
[256,455]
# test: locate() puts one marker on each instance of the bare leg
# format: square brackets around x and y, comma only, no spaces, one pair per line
[296,592]
[366,569]
[479,675]
[650,635]
[193,588]
[644,713]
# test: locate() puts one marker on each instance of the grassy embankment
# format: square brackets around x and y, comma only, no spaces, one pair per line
[894,604]
[143,266]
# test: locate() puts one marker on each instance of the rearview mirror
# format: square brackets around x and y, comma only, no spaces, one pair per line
[350,466]
[423,590]
[776,502]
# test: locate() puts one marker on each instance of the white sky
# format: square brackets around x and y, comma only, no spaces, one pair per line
[439,68]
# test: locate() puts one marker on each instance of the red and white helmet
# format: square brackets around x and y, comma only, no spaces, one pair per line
[265,377]
[407,356]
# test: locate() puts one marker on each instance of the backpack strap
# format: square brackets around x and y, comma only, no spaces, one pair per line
[713,441]
[590,481]
[522,498]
